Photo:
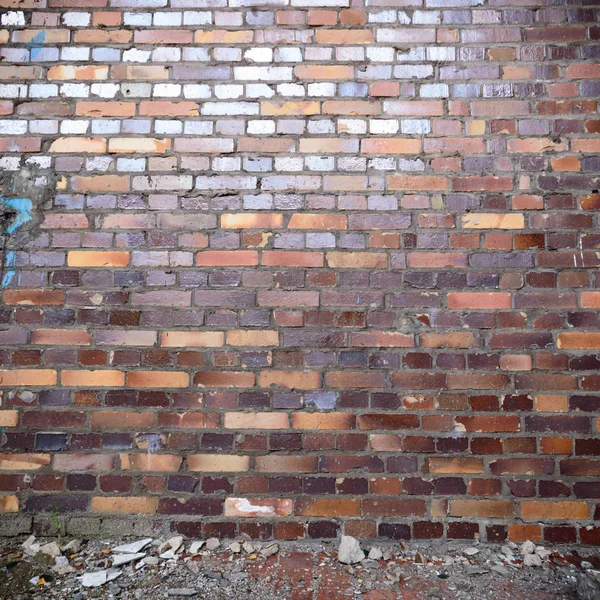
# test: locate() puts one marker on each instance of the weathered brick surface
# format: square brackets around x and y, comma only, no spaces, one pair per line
[307,267]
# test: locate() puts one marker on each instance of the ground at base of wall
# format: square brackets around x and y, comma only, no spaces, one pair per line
[61,569]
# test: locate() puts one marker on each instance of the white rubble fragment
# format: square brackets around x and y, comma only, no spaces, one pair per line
[235,547]
[195,547]
[527,548]
[269,550]
[542,552]
[124,559]
[51,549]
[212,543]
[471,551]
[375,553]
[532,560]
[73,547]
[98,578]
[349,551]
[133,547]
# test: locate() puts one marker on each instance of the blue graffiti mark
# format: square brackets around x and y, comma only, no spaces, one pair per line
[36,43]
[22,209]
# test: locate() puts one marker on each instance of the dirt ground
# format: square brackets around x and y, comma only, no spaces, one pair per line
[297,571]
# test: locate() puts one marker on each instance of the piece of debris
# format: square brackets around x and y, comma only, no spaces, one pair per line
[51,549]
[185,592]
[98,578]
[124,559]
[269,550]
[375,553]
[212,543]
[195,547]
[349,551]
[133,547]
[527,548]
[235,547]
[532,560]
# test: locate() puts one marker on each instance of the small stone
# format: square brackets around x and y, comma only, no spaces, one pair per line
[500,570]
[349,551]
[527,548]
[507,551]
[173,544]
[532,560]
[471,551]
[375,553]
[387,554]
[542,552]
[249,548]
[151,561]
[475,570]
[212,543]
[235,547]
[50,549]
[269,550]
[73,547]
[133,547]
[195,547]
[185,592]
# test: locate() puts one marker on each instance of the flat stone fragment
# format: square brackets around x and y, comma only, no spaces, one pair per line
[133,547]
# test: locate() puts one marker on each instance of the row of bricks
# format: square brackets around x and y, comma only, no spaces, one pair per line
[297,380]
[286,338]
[122,419]
[189,441]
[274,508]
[376,33]
[323,17]
[318,486]
[275,463]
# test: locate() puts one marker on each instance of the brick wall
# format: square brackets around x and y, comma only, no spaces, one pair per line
[293,268]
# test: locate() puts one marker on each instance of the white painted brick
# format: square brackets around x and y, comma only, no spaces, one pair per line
[166,90]
[288,163]
[226,163]
[440,53]
[198,127]
[412,55]
[43,90]
[230,108]
[261,127]
[168,19]
[321,89]
[106,126]
[135,55]
[352,163]
[12,90]
[259,55]
[47,126]
[12,127]
[75,53]
[288,54]
[228,54]
[321,126]
[74,127]
[434,90]
[197,18]
[385,16]
[381,163]
[229,92]
[291,89]
[136,19]
[354,126]
[10,163]
[379,126]
[194,90]
[13,18]
[76,19]
[350,53]
[169,127]
[166,54]
[318,53]
[416,126]
[380,54]
[427,17]
[105,90]
[259,90]
[319,163]
[75,90]
[263,73]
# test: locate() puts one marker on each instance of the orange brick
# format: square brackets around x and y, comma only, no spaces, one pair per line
[354,379]
[23,462]
[264,420]
[138,145]
[578,341]
[158,379]
[556,445]
[322,222]
[83,462]
[251,221]
[328,507]
[218,463]
[293,380]
[222,36]
[479,300]
[150,462]
[482,508]
[493,221]
[387,89]
[275,108]
[79,145]
[139,72]
[455,465]
[357,260]
[314,421]
[191,339]
[537,509]
[106,18]
[390,146]
[452,339]
[33,297]
[322,17]
[27,377]
[9,418]
[251,337]
[220,379]
[86,73]
[76,258]
[290,258]
[326,72]
[121,419]
[417,182]
[9,504]
[344,36]
[91,379]
[590,299]
[516,362]
[131,505]
[227,258]
[566,163]
[105,109]
[100,183]
[551,403]
[275,463]
[169,109]
[61,337]
[524,533]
